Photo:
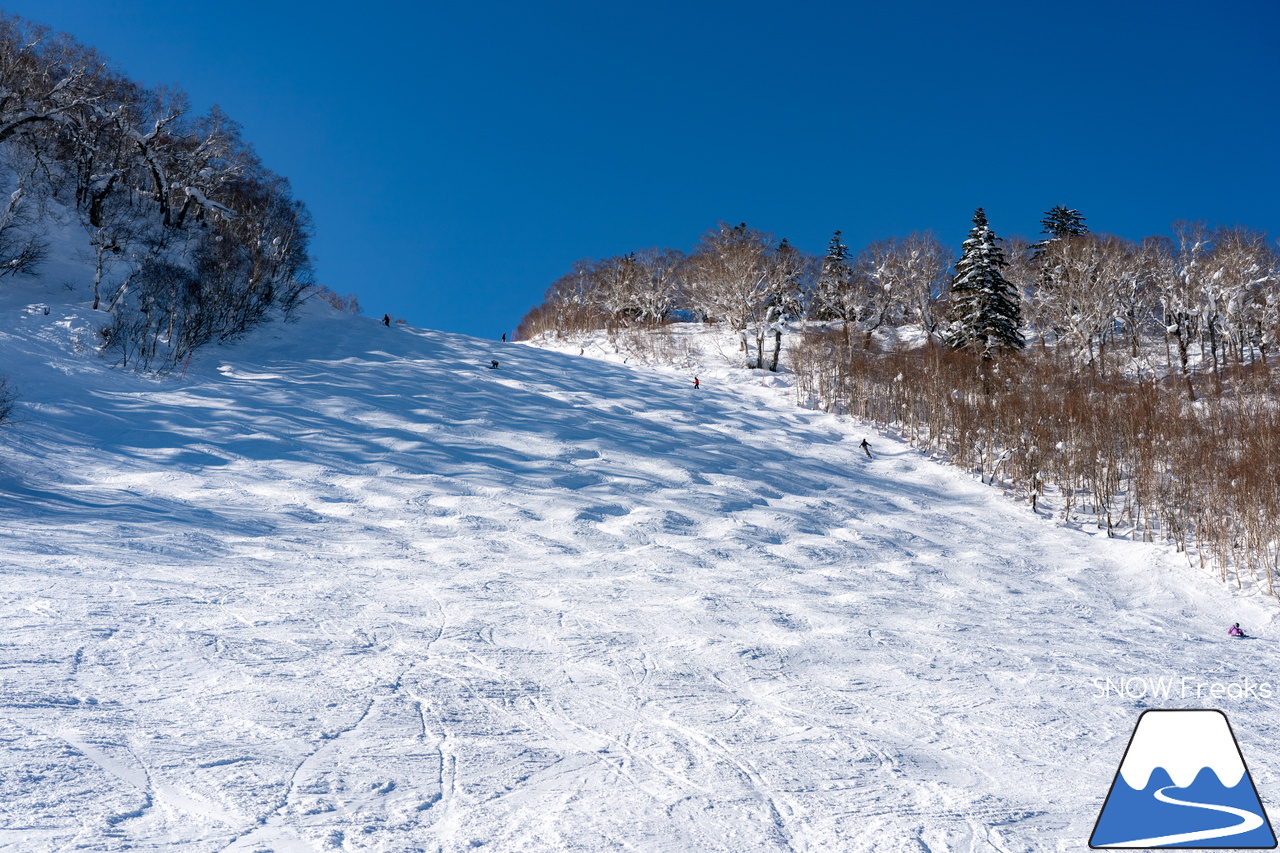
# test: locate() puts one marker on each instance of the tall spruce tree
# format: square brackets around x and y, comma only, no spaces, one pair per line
[1058,222]
[1062,221]
[835,280]
[985,314]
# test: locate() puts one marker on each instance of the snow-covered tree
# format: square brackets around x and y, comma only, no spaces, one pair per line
[1246,258]
[837,296]
[1129,296]
[47,80]
[22,246]
[985,314]
[874,271]
[660,283]
[1059,225]
[1162,269]
[1059,222]
[1026,276]
[729,278]
[140,175]
[1090,288]
[788,269]
[1256,261]
[918,268]
[902,279]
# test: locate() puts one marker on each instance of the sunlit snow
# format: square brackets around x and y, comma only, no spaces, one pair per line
[342,587]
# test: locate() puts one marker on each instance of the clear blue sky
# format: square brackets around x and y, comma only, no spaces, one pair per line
[458,157]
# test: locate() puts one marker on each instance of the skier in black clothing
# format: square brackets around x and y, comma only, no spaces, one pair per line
[866,448]
[386,319]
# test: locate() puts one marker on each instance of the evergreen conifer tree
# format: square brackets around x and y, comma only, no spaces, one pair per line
[786,298]
[1058,222]
[1062,221]
[985,314]
[831,302]
[786,294]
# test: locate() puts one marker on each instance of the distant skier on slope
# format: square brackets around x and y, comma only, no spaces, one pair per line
[386,319]
[866,448]
[696,386]
[1235,631]
[493,365]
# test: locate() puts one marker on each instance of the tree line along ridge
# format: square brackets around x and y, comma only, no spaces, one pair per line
[1135,379]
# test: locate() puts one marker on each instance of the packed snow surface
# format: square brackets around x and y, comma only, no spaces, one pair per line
[342,587]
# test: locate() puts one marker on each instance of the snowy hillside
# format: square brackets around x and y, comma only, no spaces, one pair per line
[341,587]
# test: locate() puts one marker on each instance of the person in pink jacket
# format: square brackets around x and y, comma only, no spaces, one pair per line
[1235,631]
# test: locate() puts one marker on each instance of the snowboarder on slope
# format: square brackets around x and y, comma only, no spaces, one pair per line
[866,448]
[386,319]
[493,365]
[1235,631]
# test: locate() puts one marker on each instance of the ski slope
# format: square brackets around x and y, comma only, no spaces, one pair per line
[341,587]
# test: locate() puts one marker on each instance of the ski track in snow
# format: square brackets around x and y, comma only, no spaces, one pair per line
[343,588]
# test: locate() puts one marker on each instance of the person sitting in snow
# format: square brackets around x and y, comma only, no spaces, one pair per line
[1235,631]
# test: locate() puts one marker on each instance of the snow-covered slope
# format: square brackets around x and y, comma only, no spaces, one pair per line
[342,587]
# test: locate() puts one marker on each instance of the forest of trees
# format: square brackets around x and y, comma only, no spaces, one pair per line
[1136,378]
[1208,295]
[189,238]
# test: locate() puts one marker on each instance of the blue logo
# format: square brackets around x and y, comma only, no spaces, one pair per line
[1183,783]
